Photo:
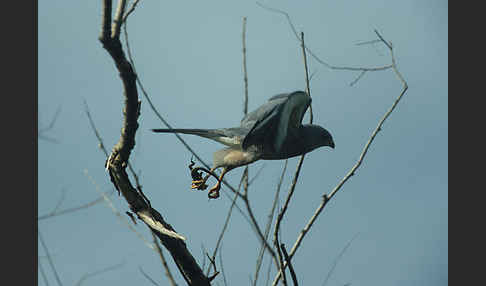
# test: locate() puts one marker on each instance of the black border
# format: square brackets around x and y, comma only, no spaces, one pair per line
[19,142]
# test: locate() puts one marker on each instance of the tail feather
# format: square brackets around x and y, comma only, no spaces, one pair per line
[222,136]
[208,133]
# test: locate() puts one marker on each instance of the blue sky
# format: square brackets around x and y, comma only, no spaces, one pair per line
[188,56]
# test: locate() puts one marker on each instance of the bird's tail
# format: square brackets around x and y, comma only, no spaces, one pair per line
[207,133]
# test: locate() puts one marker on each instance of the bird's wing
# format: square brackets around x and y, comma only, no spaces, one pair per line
[273,121]
[227,136]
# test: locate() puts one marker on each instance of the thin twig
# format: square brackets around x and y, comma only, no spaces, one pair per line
[216,272]
[53,121]
[245,106]
[41,131]
[89,275]
[357,78]
[257,228]
[269,223]
[44,277]
[122,218]
[164,262]
[302,44]
[222,268]
[315,56]
[326,198]
[95,130]
[337,259]
[147,276]
[256,175]
[102,145]
[74,209]
[132,8]
[51,263]
[268,271]
[63,196]
[245,73]
[226,223]
[280,259]
[368,42]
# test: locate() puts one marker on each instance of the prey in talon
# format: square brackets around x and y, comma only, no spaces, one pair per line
[197,180]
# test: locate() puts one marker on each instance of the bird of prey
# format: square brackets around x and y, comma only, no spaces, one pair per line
[274,131]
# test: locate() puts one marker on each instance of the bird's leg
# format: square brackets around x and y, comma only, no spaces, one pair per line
[214,191]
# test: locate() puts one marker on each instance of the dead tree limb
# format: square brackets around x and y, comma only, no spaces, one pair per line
[118,159]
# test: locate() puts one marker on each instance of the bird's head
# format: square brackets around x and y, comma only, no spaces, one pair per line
[315,136]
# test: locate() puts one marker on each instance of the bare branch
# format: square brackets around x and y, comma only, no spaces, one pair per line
[147,276]
[102,145]
[89,275]
[268,271]
[164,262]
[315,56]
[53,121]
[257,228]
[256,175]
[228,216]
[55,212]
[302,44]
[368,42]
[269,223]
[122,218]
[51,263]
[291,268]
[280,259]
[41,132]
[245,73]
[44,277]
[63,196]
[46,138]
[337,259]
[132,8]
[357,78]
[326,198]
[222,268]
[95,130]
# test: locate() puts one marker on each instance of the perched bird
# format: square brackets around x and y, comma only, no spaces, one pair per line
[274,131]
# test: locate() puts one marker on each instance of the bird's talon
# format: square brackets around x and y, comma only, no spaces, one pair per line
[213,194]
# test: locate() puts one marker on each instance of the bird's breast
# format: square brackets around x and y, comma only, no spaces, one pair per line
[239,157]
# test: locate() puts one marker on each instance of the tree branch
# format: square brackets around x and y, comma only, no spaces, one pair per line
[360,69]
[299,165]
[51,263]
[117,161]
[326,198]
